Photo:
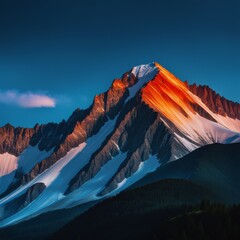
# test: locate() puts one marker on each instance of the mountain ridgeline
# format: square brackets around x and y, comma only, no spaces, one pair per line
[147,119]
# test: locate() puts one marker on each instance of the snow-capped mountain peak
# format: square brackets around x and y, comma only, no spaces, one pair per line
[147,118]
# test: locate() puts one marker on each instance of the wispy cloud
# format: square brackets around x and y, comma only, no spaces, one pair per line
[27,100]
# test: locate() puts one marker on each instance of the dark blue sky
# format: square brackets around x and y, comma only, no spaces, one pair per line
[71,50]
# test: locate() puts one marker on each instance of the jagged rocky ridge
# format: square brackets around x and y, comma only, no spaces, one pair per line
[142,137]
[66,135]
[215,102]
[137,119]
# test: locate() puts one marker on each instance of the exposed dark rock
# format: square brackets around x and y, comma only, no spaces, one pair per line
[136,119]
[202,112]
[33,192]
[14,140]
[157,141]
[215,102]
[22,201]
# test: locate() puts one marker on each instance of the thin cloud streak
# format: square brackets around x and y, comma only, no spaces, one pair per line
[27,100]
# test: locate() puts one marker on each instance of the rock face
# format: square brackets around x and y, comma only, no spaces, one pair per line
[47,136]
[156,141]
[136,119]
[33,192]
[22,201]
[14,140]
[215,102]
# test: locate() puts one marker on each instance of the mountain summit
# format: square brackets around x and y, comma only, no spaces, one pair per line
[145,120]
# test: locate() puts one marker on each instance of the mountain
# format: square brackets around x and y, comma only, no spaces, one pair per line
[147,119]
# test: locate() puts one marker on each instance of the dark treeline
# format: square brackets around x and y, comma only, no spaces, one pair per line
[208,221]
[169,209]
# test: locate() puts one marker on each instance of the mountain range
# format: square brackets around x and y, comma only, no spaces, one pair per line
[147,127]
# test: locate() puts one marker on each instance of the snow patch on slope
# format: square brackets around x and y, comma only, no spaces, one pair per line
[25,162]
[143,70]
[144,73]
[199,131]
[8,163]
[202,131]
[145,167]
[30,157]
[196,131]
[5,181]
[225,121]
[88,191]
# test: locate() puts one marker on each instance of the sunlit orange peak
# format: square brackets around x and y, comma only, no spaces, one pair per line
[118,84]
[169,96]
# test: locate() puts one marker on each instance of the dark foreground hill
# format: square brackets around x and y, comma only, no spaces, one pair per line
[216,166]
[203,221]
